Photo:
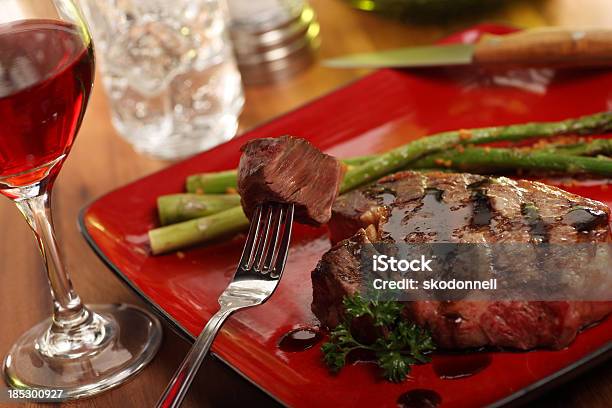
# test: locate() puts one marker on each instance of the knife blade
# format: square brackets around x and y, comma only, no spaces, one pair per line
[531,48]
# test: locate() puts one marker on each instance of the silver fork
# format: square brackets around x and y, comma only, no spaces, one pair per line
[259,270]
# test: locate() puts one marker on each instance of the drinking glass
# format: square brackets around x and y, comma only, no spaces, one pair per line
[46,76]
[169,73]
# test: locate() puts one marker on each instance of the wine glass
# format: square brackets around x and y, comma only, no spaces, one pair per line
[46,76]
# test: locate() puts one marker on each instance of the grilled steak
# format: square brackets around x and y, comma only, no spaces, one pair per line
[289,170]
[432,207]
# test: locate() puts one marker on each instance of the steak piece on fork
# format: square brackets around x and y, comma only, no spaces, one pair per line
[289,170]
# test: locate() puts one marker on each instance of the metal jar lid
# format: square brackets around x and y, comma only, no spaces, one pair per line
[248,40]
[266,55]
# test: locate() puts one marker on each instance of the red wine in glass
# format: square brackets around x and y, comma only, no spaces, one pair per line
[46,74]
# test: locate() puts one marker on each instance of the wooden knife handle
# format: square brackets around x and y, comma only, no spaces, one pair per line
[546,47]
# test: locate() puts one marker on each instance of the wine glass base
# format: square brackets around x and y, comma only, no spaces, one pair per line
[133,338]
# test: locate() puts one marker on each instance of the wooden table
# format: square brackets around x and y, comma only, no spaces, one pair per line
[101,161]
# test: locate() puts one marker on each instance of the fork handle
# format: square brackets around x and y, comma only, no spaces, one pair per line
[179,385]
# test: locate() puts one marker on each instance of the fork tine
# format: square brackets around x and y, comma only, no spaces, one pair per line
[250,241]
[280,257]
[271,255]
[266,213]
[264,242]
[271,238]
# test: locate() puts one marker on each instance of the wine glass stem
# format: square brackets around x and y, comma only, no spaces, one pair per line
[68,310]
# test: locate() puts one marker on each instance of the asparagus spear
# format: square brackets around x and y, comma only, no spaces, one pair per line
[402,156]
[221,182]
[204,229]
[358,160]
[175,208]
[224,181]
[181,207]
[212,183]
[369,168]
[184,234]
[592,148]
[498,160]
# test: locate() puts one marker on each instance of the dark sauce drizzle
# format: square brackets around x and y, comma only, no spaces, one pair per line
[538,228]
[431,218]
[481,203]
[453,366]
[585,219]
[436,193]
[419,398]
[299,339]
[384,194]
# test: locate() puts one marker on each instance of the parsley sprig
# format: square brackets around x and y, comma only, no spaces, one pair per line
[398,346]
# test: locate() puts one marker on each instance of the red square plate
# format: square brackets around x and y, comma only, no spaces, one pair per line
[378,112]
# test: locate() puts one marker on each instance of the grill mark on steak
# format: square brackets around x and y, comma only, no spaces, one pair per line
[521,211]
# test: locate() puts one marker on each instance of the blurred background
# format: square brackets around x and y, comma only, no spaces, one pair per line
[175,73]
